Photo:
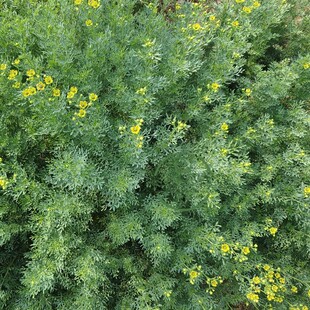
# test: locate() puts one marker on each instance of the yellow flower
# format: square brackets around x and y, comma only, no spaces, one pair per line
[167,293]
[94,3]
[306,65]
[193,275]
[248,91]
[214,283]
[294,289]
[253,297]
[12,74]
[308,293]
[89,22]
[3,183]
[256,4]
[256,280]
[73,89]
[224,127]
[56,92]
[48,80]
[83,104]
[196,26]
[235,23]
[240,1]
[70,95]
[3,66]
[93,97]
[30,72]
[40,86]
[16,85]
[135,129]
[148,43]
[266,267]
[215,86]
[273,230]
[81,113]
[212,18]
[77,2]
[247,9]
[141,91]
[16,61]
[26,92]
[32,90]
[307,191]
[246,250]
[282,280]
[225,248]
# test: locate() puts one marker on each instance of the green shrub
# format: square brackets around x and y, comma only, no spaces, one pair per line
[154,155]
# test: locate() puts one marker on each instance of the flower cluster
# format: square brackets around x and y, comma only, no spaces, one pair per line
[82,105]
[213,283]
[3,182]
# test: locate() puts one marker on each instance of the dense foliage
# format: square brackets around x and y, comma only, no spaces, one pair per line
[154,155]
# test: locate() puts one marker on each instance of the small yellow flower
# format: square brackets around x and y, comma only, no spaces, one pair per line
[253,297]
[215,86]
[225,248]
[308,293]
[307,191]
[40,86]
[30,72]
[306,65]
[235,23]
[48,80]
[93,97]
[256,4]
[135,129]
[56,92]
[16,61]
[3,66]
[3,183]
[16,85]
[83,104]
[256,280]
[32,90]
[12,74]
[81,113]
[240,1]
[245,250]
[77,2]
[148,43]
[247,9]
[26,92]
[70,95]
[89,22]
[94,3]
[266,267]
[294,289]
[273,230]
[193,275]
[141,91]
[73,89]
[248,91]
[214,283]
[212,18]
[282,280]
[224,127]
[196,26]
[167,293]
